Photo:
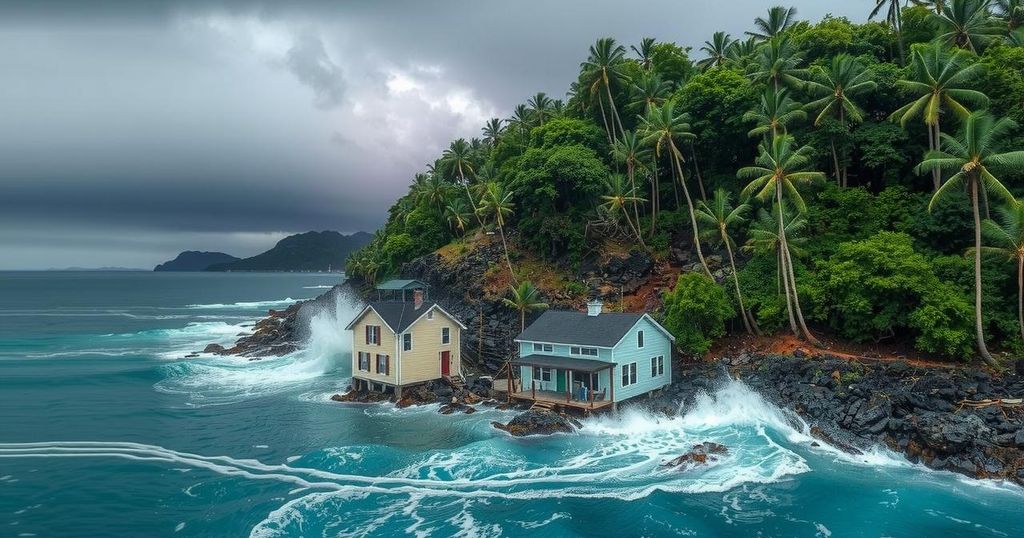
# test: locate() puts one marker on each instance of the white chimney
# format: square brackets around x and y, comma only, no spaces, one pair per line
[417,299]
[594,307]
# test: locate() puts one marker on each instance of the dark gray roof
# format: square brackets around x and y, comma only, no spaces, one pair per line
[570,327]
[399,314]
[564,363]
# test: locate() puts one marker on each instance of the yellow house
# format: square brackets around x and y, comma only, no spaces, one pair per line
[397,343]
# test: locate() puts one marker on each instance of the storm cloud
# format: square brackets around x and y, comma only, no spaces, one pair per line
[133,130]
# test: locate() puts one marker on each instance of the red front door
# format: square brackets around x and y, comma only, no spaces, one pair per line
[446,366]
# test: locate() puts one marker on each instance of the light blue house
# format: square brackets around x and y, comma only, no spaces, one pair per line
[592,360]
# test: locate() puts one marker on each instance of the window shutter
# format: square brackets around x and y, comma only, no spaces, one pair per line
[387,365]
[377,330]
[367,334]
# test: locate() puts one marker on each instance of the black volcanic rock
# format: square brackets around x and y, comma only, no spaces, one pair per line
[194,260]
[310,251]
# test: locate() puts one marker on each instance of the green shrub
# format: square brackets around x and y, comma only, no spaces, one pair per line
[696,311]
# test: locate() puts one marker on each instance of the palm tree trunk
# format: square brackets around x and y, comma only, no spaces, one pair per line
[937,146]
[615,111]
[631,172]
[796,301]
[504,244]
[784,275]
[1020,294]
[696,169]
[736,282]
[978,322]
[693,216]
[899,38]
[522,319]
[835,162]
[472,202]
[675,186]
[604,119]
[655,202]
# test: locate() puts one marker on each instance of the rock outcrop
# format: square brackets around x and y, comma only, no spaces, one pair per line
[538,422]
[701,454]
[964,420]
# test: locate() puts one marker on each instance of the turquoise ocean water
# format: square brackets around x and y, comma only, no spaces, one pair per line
[106,430]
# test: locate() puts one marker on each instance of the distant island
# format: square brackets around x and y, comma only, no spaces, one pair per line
[194,260]
[310,251]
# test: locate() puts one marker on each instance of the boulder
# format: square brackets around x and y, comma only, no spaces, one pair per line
[215,349]
[536,422]
[701,454]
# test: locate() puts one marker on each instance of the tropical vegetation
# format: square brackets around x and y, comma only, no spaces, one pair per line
[857,180]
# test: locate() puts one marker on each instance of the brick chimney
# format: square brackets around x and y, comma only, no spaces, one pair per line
[417,299]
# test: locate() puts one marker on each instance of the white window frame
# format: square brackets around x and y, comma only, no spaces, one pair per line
[406,341]
[361,356]
[640,339]
[628,377]
[543,374]
[446,336]
[387,364]
[584,351]
[658,366]
[374,335]
[543,348]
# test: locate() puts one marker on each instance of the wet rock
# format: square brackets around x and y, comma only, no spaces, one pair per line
[536,422]
[360,396]
[215,349]
[701,454]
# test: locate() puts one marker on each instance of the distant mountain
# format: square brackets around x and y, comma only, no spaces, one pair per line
[193,260]
[310,251]
[95,269]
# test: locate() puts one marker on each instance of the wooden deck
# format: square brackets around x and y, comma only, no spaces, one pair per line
[557,399]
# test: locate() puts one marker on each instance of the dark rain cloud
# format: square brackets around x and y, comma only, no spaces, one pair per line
[181,122]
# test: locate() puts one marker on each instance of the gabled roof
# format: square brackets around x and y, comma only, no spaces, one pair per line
[401,285]
[571,327]
[399,315]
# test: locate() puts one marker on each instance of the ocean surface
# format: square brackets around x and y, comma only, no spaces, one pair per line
[107,430]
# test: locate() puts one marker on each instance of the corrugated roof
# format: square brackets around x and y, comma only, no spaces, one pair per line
[401,285]
[571,327]
[564,363]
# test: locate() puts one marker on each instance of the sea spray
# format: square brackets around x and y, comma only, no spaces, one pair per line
[210,380]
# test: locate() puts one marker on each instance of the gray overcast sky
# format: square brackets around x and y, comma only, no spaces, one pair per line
[133,130]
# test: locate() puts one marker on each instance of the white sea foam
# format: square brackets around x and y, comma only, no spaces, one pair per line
[210,380]
[248,305]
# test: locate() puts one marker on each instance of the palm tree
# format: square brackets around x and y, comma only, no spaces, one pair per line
[894,18]
[456,157]
[763,235]
[522,117]
[934,5]
[630,151]
[645,54]
[661,127]
[779,20]
[776,112]
[457,215]
[966,24]
[497,203]
[837,84]
[1006,238]
[540,106]
[777,171]
[431,190]
[718,218]
[717,50]
[616,197]
[739,52]
[939,82]
[776,64]
[493,130]
[1012,11]
[601,70]
[524,298]
[648,90]
[972,159]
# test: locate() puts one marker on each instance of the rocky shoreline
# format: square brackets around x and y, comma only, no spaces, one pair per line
[963,420]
